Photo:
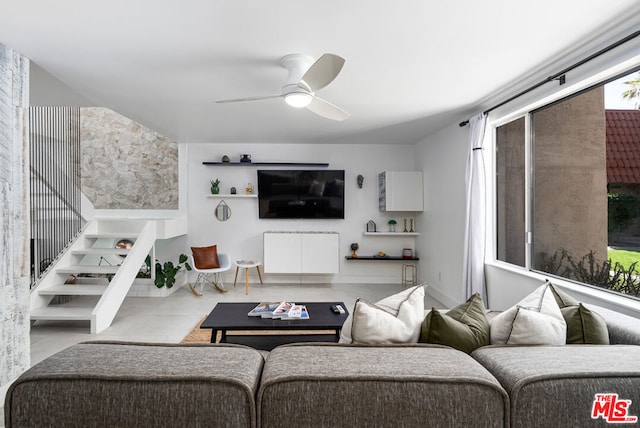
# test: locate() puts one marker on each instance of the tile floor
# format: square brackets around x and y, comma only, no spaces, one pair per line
[169,319]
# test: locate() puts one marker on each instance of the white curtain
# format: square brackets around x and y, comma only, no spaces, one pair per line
[475,226]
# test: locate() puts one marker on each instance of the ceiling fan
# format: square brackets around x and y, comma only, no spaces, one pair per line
[305,79]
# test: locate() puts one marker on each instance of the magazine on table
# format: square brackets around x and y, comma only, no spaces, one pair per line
[264,309]
[297,312]
[282,310]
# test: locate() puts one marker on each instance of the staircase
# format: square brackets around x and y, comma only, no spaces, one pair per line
[91,266]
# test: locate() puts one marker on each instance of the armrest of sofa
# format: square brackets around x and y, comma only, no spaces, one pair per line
[138,384]
[623,329]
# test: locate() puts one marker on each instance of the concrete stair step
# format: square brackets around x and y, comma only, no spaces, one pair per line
[88,269]
[74,290]
[101,252]
[120,235]
[62,313]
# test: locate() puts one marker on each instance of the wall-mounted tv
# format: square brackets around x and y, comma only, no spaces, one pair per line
[301,194]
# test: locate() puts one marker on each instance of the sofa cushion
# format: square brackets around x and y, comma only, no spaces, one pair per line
[623,329]
[556,385]
[535,320]
[464,327]
[394,319]
[134,384]
[206,257]
[407,385]
[583,325]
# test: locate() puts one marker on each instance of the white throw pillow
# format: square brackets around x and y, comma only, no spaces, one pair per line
[394,319]
[535,320]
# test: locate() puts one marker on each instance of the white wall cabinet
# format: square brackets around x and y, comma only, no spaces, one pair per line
[301,252]
[400,191]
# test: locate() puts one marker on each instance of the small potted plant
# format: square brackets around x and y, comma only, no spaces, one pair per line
[392,225]
[215,187]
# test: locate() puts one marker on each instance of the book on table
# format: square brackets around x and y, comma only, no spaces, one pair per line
[264,309]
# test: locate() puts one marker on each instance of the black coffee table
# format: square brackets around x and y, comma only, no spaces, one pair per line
[233,317]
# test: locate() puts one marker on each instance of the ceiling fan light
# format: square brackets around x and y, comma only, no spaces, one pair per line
[298,99]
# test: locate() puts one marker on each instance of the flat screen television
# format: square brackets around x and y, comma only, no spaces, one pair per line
[301,194]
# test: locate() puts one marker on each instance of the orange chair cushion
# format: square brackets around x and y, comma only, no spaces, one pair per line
[206,257]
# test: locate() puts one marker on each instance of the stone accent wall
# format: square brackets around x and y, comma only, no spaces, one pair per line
[14,216]
[125,165]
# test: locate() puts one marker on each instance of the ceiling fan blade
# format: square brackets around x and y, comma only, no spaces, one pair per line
[322,72]
[236,100]
[327,110]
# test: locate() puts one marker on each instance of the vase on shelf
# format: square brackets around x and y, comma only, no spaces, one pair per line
[215,187]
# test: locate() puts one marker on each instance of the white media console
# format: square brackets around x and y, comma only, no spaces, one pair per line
[301,252]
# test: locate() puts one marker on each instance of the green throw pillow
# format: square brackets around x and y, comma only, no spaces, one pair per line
[464,327]
[562,298]
[585,326]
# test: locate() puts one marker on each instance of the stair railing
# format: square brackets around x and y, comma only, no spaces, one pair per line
[55,198]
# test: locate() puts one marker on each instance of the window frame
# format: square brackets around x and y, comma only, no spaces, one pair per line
[505,116]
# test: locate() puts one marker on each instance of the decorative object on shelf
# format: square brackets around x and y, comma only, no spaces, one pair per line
[371,226]
[360,180]
[381,254]
[249,189]
[407,253]
[125,244]
[354,248]
[411,228]
[245,158]
[223,212]
[232,191]
[225,159]
[392,225]
[405,225]
[215,187]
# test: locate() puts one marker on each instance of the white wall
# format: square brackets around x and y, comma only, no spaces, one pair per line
[241,235]
[443,159]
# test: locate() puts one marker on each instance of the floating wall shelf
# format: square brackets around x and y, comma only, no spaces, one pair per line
[394,258]
[230,196]
[266,164]
[391,233]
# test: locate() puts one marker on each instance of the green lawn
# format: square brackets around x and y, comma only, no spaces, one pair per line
[625,258]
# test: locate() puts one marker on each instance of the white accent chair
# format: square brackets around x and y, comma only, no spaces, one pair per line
[212,275]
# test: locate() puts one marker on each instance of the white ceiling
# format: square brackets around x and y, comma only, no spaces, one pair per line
[412,66]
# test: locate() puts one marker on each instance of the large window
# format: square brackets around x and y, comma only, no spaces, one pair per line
[585,180]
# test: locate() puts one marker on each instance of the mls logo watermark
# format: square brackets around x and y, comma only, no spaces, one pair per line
[612,409]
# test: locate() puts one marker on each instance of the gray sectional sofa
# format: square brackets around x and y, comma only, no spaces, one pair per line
[96,384]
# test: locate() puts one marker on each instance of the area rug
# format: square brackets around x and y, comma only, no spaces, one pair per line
[198,335]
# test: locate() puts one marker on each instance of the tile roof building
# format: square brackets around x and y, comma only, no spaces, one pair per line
[623,146]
